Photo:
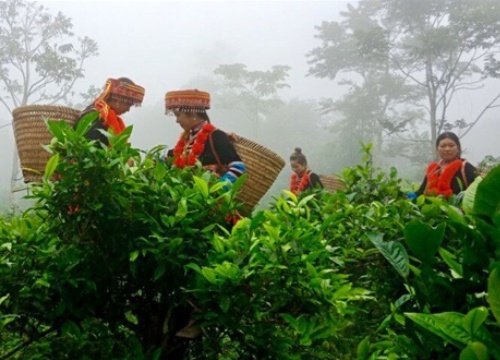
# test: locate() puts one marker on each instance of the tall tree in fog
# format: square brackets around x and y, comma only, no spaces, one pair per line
[432,48]
[371,111]
[40,58]
[255,93]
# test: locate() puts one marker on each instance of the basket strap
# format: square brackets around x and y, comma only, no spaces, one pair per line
[464,177]
[217,158]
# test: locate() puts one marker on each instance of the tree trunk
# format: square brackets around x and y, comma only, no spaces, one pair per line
[431,91]
[151,323]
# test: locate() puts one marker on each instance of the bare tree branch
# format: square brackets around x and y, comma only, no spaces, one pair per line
[486,108]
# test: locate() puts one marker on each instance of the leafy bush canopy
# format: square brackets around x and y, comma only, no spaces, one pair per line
[124,256]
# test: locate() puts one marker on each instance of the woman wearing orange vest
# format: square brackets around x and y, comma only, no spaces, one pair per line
[449,175]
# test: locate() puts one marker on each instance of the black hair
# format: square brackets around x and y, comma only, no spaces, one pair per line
[126,80]
[298,156]
[201,114]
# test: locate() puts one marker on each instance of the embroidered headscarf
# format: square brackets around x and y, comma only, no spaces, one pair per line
[123,90]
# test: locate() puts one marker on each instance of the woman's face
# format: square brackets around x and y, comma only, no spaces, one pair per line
[120,107]
[448,150]
[186,120]
[298,168]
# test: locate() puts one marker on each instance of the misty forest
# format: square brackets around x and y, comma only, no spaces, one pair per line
[126,250]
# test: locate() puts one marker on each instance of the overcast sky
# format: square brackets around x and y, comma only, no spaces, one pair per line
[162,45]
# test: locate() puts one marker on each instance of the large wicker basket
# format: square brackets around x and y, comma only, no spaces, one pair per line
[332,183]
[263,167]
[30,132]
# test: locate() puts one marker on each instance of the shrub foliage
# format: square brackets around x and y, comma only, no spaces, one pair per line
[121,253]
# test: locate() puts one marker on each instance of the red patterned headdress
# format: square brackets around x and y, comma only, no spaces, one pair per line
[121,89]
[187,100]
[125,90]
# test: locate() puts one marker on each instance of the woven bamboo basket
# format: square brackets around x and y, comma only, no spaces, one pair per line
[263,167]
[332,183]
[30,132]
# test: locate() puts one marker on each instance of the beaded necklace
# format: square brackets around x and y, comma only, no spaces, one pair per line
[186,155]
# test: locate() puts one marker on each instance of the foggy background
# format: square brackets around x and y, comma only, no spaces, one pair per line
[172,45]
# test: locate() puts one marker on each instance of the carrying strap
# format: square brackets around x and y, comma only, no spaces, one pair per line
[464,177]
[216,156]
[221,169]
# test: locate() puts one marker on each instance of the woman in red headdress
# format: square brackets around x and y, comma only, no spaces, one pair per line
[118,97]
[201,140]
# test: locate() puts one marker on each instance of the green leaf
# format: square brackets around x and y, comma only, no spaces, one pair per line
[3,298]
[470,195]
[236,186]
[201,185]
[415,270]
[181,209]
[475,351]
[487,194]
[160,171]
[402,300]
[454,213]
[217,186]
[449,259]
[305,200]
[85,123]
[7,245]
[290,319]
[51,165]
[224,304]
[291,195]
[119,141]
[69,328]
[385,323]
[134,255]
[42,282]
[311,270]
[55,129]
[6,319]
[394,252]
[494,293]
[209,274]
[448,326]
[160,271]
[424,240]
[400,319]
[218,245]
[193,266]
[157,354]
[474,319]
